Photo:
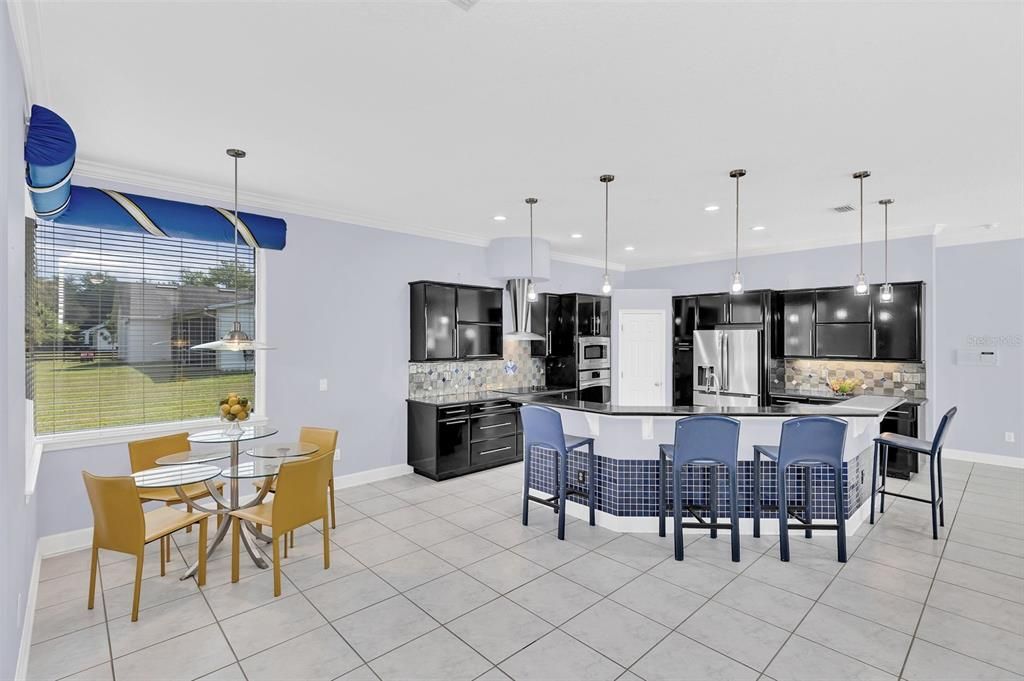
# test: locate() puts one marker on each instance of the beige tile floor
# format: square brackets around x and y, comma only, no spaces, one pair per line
[441,581]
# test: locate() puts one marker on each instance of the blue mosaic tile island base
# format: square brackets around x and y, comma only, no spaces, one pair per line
[629,487]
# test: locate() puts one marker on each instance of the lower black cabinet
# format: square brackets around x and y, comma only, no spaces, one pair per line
[448,440]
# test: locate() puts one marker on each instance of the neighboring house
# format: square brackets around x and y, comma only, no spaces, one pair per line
[161,323]
[98,338]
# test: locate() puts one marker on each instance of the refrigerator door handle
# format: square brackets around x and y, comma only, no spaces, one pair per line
[725,362]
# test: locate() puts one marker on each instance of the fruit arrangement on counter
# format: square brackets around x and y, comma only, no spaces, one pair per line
[235,408]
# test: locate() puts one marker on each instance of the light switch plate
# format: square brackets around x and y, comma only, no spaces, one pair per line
[323,385]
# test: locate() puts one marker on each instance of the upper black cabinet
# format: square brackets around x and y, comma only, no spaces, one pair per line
[746,308]
[543,322]
[728,308]
[897,324]
[684,319]
[796,324]
[712,310]
[842,306]
[593,314]
[843,341]
[448,321]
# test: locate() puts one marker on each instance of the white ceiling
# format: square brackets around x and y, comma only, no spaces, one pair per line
[422,117]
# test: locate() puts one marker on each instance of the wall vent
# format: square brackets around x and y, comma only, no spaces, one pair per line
[845,208]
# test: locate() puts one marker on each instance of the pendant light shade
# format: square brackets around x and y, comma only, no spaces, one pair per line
[885,292]
[861,287]
[531,291]
[235,340]
[737,278]
[606,285]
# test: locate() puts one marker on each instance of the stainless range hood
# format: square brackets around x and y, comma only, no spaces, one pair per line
[520,311]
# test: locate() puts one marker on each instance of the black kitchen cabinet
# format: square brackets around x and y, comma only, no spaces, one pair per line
[712,310]
[448,440]
[586,306]
[897,324]
[728,308]
[682,376]
[797,324]
[684,319]
[603,316]
[543,321]
[903,421]
[746,308]
[452,321]
[841,305]
[843,341]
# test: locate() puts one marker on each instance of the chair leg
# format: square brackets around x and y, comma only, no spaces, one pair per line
[189,528]
[220,520]
[807,501]
[330,489]
[285,541]
[291,538]
[734,512]
[163,556]
[526,485]
[677,508]
[755,509]
[942,496]
[277,563]
[883,463]
[783,515]
[713,498]
[840,515]
[591,483]
[93,565]
[327,545]
[201,572]
[564,466]
[236,540]
[935,510]
[138,587]
[662,484]
[874,483]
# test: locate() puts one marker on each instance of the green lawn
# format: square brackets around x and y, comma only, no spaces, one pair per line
[72,395]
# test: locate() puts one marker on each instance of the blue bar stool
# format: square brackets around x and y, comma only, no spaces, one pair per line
[806,441]
[542,427]
[709,441]
[932,449]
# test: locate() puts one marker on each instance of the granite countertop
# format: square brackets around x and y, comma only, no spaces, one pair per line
[829,395]
[871,406]
[487,395]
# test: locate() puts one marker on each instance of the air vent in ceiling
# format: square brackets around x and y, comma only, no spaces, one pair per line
[845,208]
[464,4]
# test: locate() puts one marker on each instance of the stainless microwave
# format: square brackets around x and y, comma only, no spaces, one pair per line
[594,353]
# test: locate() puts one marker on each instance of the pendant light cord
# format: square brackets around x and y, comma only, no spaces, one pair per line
[531,241]
[861,224]
[885,209]
[737,223]
[605,229]
[235,225]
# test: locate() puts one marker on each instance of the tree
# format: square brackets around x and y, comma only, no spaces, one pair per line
[222,275]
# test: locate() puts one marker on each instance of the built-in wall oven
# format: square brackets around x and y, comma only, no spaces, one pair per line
[594,353]
[595,385]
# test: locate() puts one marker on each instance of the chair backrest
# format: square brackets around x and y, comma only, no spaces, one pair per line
[300,495]
[324,438]
[813,438]
[118,522]
[943,430]
[144,453]
[542,427]
[707,437]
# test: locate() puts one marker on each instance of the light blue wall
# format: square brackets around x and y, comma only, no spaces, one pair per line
[18,529]
[337,307]
[980,293]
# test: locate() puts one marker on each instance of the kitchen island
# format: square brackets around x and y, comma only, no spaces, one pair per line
[628,476]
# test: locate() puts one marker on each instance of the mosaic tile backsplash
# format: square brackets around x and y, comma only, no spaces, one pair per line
[904,379]
[515,370]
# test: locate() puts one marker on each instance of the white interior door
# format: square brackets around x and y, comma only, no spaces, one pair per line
[643,347]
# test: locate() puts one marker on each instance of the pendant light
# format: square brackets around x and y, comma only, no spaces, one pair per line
[860,288]
[885,292]
[737,278]
[235,340]
[606,286]
[531,292]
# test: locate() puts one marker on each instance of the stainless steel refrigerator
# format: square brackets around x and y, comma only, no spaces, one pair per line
[726,367]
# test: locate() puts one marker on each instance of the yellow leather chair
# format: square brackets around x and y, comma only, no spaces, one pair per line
[327,441]
[297,501]
[120,525]
[143,455]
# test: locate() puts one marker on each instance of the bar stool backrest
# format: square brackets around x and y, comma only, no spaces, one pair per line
[707,437]
[542,427]
[813,438]
[943,429]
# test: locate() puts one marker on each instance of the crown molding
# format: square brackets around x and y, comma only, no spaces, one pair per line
[587,261]
[24,20]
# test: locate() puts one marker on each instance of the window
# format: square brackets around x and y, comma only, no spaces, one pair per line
[110,321]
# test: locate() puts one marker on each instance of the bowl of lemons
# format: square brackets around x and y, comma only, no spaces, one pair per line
[234,409]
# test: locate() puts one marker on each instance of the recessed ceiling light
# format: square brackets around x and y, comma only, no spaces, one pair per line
[576,236]
[757,228]
[711,209]
[499,218]
[630,248]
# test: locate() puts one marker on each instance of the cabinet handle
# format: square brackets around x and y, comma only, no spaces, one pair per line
[452,423]
[496,425]
[455,411]
[495,451]
[547,350]
[874,343]
[486,354]
[496,406]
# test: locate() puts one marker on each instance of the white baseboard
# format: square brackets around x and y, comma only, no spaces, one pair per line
[28,622]
[372,475]
[983,457]
[64,542]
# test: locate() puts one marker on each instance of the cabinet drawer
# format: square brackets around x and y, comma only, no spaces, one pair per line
[452,412]
[493,426]
[491,451]
[492,407]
